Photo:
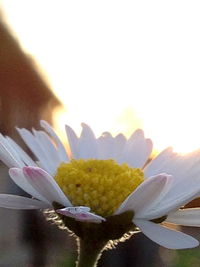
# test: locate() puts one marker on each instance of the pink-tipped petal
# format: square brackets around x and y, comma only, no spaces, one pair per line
[19,179]
[81,214]
[18,202]
[166,237]
[45,185]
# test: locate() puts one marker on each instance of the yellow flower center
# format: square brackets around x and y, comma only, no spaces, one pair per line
[101,185]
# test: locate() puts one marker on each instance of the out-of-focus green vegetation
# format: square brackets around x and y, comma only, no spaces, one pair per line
[67,261]
[188,258]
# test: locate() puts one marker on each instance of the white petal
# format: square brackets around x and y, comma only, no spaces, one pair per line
[19,179]
[166,237]
[137,150]
[119,144]
[18,202]
[187,217]
[185,170]
[7,158]
[180,166]
[81,214]
[149,148]
[12,152]
[106,146]
[176,197]
[61,150]
[87,144]
[73,141]
[186,182]
[157,165]
[32,143]
[49,150]
[45,185]
[23,155]
[145,195]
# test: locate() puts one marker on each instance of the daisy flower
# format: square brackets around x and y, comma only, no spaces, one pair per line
[106,187]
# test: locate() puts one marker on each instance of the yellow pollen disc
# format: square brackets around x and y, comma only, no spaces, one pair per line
[101,185]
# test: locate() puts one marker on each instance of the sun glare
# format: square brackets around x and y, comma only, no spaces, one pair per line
[118,65]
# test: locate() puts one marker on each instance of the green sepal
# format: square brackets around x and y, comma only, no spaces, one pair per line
[113,228]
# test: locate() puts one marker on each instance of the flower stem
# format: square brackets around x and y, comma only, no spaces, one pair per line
[89,253]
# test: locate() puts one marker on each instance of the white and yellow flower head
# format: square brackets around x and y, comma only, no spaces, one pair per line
[106,186]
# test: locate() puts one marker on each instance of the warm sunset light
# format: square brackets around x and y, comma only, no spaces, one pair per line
[118,65]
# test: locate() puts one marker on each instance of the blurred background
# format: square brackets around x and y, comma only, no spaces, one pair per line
[116,65]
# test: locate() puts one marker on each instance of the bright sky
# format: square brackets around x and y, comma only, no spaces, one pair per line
[119,65]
